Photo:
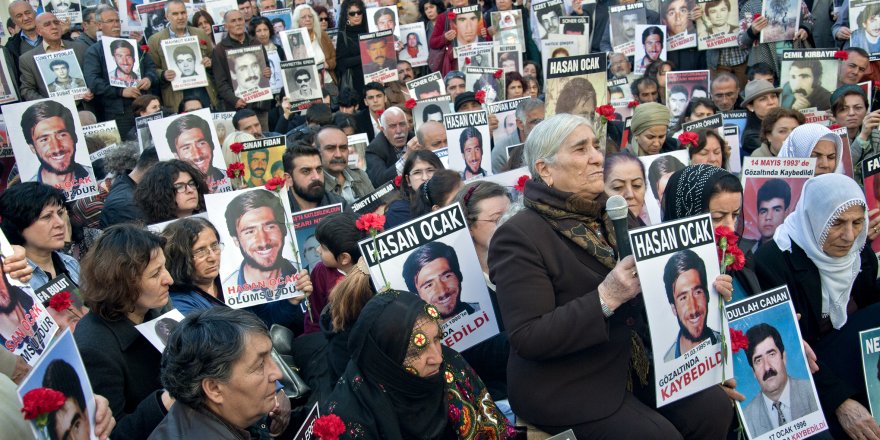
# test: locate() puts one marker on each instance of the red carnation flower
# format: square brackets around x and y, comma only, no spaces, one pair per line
[235,170]
[467,60]
[60,301]
[481,96]
[834,126]
[203,42]
[738,340]
[410,103]
[689,138]
[841,55]
[371,221]
[379,113]
[498,73]
[739,258]
[633,104]
[236,147]
[756,16]
[521,183]
[397,181]
[145,48]
[41,401]
[275,183]
[877,84]
[725,236]
[328,427]
[606,111]
[450,15]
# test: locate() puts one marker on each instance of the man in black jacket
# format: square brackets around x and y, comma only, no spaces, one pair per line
[25,18]
[368,118]
[387,152]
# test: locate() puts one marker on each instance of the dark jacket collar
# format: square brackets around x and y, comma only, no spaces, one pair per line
[123,329]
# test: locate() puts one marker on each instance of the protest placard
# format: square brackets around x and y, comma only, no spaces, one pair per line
[469,143]
[191,138]
[658,169]
[158,330]
[184,57]
[304,225]
[576,85]
[771,188]
[61,73]
[67,293]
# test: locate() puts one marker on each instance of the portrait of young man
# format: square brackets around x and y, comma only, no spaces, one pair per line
[684,278]
[377,51]
[125,58]
[189,138]
[50,132]
[185,59]
[471,145]
[804,87]
[63,80]
[774,200]
[433,272]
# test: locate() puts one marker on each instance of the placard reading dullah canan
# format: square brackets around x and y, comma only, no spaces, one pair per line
[433,256]
[677,264]
[771,370]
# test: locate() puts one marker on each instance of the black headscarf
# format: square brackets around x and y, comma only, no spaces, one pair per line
[689,190]
[376,393]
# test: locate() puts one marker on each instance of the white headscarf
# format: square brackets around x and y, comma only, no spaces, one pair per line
[801,141]
[822,201]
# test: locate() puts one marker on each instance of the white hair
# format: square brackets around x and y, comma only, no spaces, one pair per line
[391,111]
[316,23]
[546,138]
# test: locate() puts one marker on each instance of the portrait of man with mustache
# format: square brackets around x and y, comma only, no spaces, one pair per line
[62,6]
[804,87]
[783,398]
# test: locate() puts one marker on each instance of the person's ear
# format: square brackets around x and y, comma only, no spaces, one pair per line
[344,259]
[213,390]
[288,180]
[544,172]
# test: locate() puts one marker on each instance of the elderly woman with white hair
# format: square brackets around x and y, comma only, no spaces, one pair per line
[820,253]
[814,140]
[573,312]
[325,53]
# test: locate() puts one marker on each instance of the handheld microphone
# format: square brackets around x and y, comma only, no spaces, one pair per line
[618,210]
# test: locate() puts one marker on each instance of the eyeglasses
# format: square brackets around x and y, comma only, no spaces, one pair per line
[181,187]
[302,81]
[327,19]
[202,253]
[355,13]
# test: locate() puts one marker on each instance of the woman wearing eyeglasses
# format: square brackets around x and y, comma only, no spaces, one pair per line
[349,67]
[306,17]
[170,190]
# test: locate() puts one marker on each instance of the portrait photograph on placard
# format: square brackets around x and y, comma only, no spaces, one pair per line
[259,262]
[431,109]
[508,58]
[70,10]
[158,330]
[184,56]
[123,63]
[61,73]
[469,143]
[509,28]
[26,338]
[260,157]
[67,292]
[296,44]
[444,258]
[682,87]
[415,44]
[507,133]
[49,145]
[191,137]
[807,78]
[383,18]
[771,362]
[301,81]
[576,85]
[784,17]
[152,17]
[677,264]
[771,189]
[681,32]
[546,15]
[61,369]
[623,20]
[467,23]
[871,175]
[485,79]
[719,25]
[7,91]
[246,66]
[658,169]
[864,15]
[305,223]
[428,86]
[379,57]
[281,19]
[101,138]
[650,46]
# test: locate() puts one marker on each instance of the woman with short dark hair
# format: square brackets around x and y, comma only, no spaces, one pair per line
[170,190]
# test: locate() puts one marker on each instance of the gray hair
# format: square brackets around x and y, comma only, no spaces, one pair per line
[390,111]
[205,345]
[102,8]
[526,106]
[546,138]
[123,158]
[9,9]
[172,2]
[421,136]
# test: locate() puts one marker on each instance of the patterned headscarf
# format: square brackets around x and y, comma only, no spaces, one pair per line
[822,201]
[689,190]
[802,140]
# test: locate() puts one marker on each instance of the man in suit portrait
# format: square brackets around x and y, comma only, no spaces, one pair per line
[783,398]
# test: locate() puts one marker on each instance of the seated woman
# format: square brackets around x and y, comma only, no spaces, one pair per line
[820,253]
[170,190]
[555,263]
[193,249]
[698,189]
[625,176]
[815,140]
[124,283]
[401,382]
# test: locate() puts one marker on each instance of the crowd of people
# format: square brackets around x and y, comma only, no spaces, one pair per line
[573,351]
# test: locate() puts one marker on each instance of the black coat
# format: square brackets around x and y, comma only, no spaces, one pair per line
[795,269]
[123,367]
[381,160]
[365,123]
[348,56]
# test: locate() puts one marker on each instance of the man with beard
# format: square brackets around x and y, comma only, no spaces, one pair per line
[804,88]
[350,183]
[49,129]
[685,280]
[386,154]
[123,56]
[71,421]
[471,144]
[189,138]
[304,175]
[378,57]
[257,223]
[432,271]
[257,162]
[782,399]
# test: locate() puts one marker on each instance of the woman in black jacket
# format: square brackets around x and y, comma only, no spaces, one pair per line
[348,51]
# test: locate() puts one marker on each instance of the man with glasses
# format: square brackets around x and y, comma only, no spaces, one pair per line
[190,140]
[725,92]
[348,182]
